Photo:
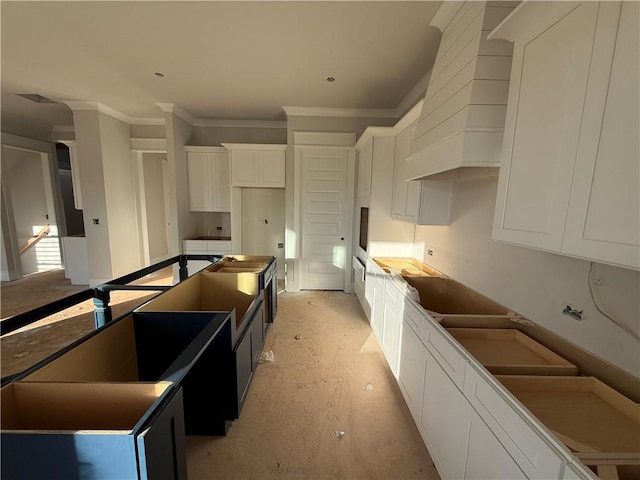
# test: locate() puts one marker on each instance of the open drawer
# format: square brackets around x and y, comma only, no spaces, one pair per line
[192,349]
[600,425]
[92,430]
[505,351]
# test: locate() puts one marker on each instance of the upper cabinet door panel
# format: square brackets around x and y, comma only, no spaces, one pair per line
[603,220]
[546,100]
[244,167]
[222,181]
[271,168]
[199,171]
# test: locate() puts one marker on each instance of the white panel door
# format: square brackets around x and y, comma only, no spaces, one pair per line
[323,218]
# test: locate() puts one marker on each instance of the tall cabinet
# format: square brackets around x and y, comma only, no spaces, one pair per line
[209,183]
[570,173]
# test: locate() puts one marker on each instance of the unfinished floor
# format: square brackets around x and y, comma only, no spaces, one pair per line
[326,356]
[329,375]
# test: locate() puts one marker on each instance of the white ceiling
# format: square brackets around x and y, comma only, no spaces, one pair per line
[221,60]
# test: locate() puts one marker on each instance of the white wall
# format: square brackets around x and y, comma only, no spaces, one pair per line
[24,181]
[94,204]
[534,283]
[119,195]
[154,202]
[216,135]
[209,221]
[183,223]
[258,237]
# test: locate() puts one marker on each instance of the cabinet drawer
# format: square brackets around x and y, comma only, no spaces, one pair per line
[393,293]
[195,246]
[218,246]
[449,358]
[413,316]
[534,456]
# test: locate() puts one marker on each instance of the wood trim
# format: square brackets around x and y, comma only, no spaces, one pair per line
[340,112]
[254,146]
[205,149]
[23,143]
[206,122]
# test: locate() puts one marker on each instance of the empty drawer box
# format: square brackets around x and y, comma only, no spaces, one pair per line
[505,351]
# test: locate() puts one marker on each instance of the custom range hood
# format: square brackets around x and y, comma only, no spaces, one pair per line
[459,132]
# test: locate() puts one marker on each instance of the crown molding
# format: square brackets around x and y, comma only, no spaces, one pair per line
[178,111]
[340,112]
[147,121]
[62,129]
[407,119]
[97,106]
[204,122]
[254,146]
[445,14]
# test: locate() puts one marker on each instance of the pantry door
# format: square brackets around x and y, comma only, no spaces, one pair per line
[324,217]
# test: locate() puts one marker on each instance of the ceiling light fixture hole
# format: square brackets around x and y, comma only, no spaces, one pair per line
[331,79]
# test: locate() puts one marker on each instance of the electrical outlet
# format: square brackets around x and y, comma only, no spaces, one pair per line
[219,229]
[96,221]
[572,311]
[430,252]
[280,245]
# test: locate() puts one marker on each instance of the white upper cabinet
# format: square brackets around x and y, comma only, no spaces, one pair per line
[365,164]
[424,203]
[257,165]
[209,187]
[570,172]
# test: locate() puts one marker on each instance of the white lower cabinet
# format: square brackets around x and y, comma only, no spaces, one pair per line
[533,454]
[486,457]
[413,362]
[444,422]
[392,324]
[374,293]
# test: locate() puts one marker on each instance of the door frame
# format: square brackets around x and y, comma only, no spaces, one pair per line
[140,204]
[51,184]
[324,141]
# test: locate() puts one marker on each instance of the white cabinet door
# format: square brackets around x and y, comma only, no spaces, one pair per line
[406,195]
[534,455]
[486,457]
[392,323]
[443,423]
[413,362]
[603,220]
[244,168]
[424,203]
[199,171]
[271,168]
[365,164]
[570,174]
[221,196]
[551,59]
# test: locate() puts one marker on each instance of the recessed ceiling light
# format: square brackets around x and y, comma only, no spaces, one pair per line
[331,79]
[159,74]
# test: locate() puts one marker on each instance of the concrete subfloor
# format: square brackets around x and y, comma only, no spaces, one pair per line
[317,386]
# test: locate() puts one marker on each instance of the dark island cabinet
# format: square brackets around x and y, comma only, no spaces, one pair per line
[87,431]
